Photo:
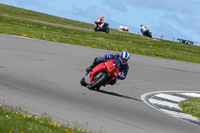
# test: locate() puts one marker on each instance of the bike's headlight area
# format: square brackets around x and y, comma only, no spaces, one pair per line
[116,74]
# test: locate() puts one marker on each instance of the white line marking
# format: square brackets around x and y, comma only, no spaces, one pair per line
[164,103]
[181,115]
[170,97]
[191,94]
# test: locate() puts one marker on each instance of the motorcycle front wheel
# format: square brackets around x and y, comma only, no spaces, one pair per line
[98,82]
[95,27]
[107,30]
[82,82]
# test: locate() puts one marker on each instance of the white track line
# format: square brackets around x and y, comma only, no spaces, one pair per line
[170,97]
[164,103]
[191,94]
[181,115]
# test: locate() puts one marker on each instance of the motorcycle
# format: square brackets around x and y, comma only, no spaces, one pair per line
[101,74]
[146,33]
[104,28]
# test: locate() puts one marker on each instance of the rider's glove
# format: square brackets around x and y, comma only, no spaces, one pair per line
[121,77]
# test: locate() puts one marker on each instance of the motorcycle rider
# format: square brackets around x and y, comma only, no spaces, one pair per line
[101,21]
[124,68]
[143,29]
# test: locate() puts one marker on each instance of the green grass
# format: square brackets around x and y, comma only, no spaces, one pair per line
[191,106]
[116,41]
[11,122]
[17,121]
[27,14]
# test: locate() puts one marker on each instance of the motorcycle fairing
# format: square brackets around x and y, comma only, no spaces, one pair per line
[97,22]
[95,70]
[111,68]
[108,66]
[87,79]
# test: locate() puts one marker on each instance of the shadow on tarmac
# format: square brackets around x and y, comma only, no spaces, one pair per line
[117,94]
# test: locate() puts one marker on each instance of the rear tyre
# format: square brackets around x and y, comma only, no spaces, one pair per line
[83,82]
[98,83]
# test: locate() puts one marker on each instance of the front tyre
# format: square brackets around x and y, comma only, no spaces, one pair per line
[107,30]
[95,27]
[98,82]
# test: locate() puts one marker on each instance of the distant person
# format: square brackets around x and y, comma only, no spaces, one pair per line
[101,21]
[145,31]
[143,28]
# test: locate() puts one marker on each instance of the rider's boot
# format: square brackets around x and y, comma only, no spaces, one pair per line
[89,69]
[96,61]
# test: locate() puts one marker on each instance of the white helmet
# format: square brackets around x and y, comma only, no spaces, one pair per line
[125,57]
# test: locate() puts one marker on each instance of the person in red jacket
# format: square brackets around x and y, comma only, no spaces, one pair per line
[101,21]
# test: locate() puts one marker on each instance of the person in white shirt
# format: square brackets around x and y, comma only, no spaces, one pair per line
[143,28]
[145,31]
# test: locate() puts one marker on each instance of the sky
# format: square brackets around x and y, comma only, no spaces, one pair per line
[170,18]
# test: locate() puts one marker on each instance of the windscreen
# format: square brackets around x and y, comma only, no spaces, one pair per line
[116,62]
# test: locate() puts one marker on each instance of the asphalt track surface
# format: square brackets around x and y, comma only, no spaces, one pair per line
[43,77]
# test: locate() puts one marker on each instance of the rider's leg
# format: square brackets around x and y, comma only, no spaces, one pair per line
[96,61]
[102,25]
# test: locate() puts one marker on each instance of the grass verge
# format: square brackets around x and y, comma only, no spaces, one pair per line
[12,121]
[117,41]
[18,121]
[191,106]
[28,14]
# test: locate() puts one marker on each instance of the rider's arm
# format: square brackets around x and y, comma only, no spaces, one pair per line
[99,19]
[123,72]
[108,56]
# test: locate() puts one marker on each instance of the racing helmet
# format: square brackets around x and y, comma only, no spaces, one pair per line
[101,16]
[124,57]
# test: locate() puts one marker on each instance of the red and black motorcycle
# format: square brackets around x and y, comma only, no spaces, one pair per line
[104,28]
[101,75]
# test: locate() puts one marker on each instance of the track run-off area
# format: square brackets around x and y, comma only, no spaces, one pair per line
[168,102]
[44,77]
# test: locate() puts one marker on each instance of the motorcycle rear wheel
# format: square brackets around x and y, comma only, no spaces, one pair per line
[98,83]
